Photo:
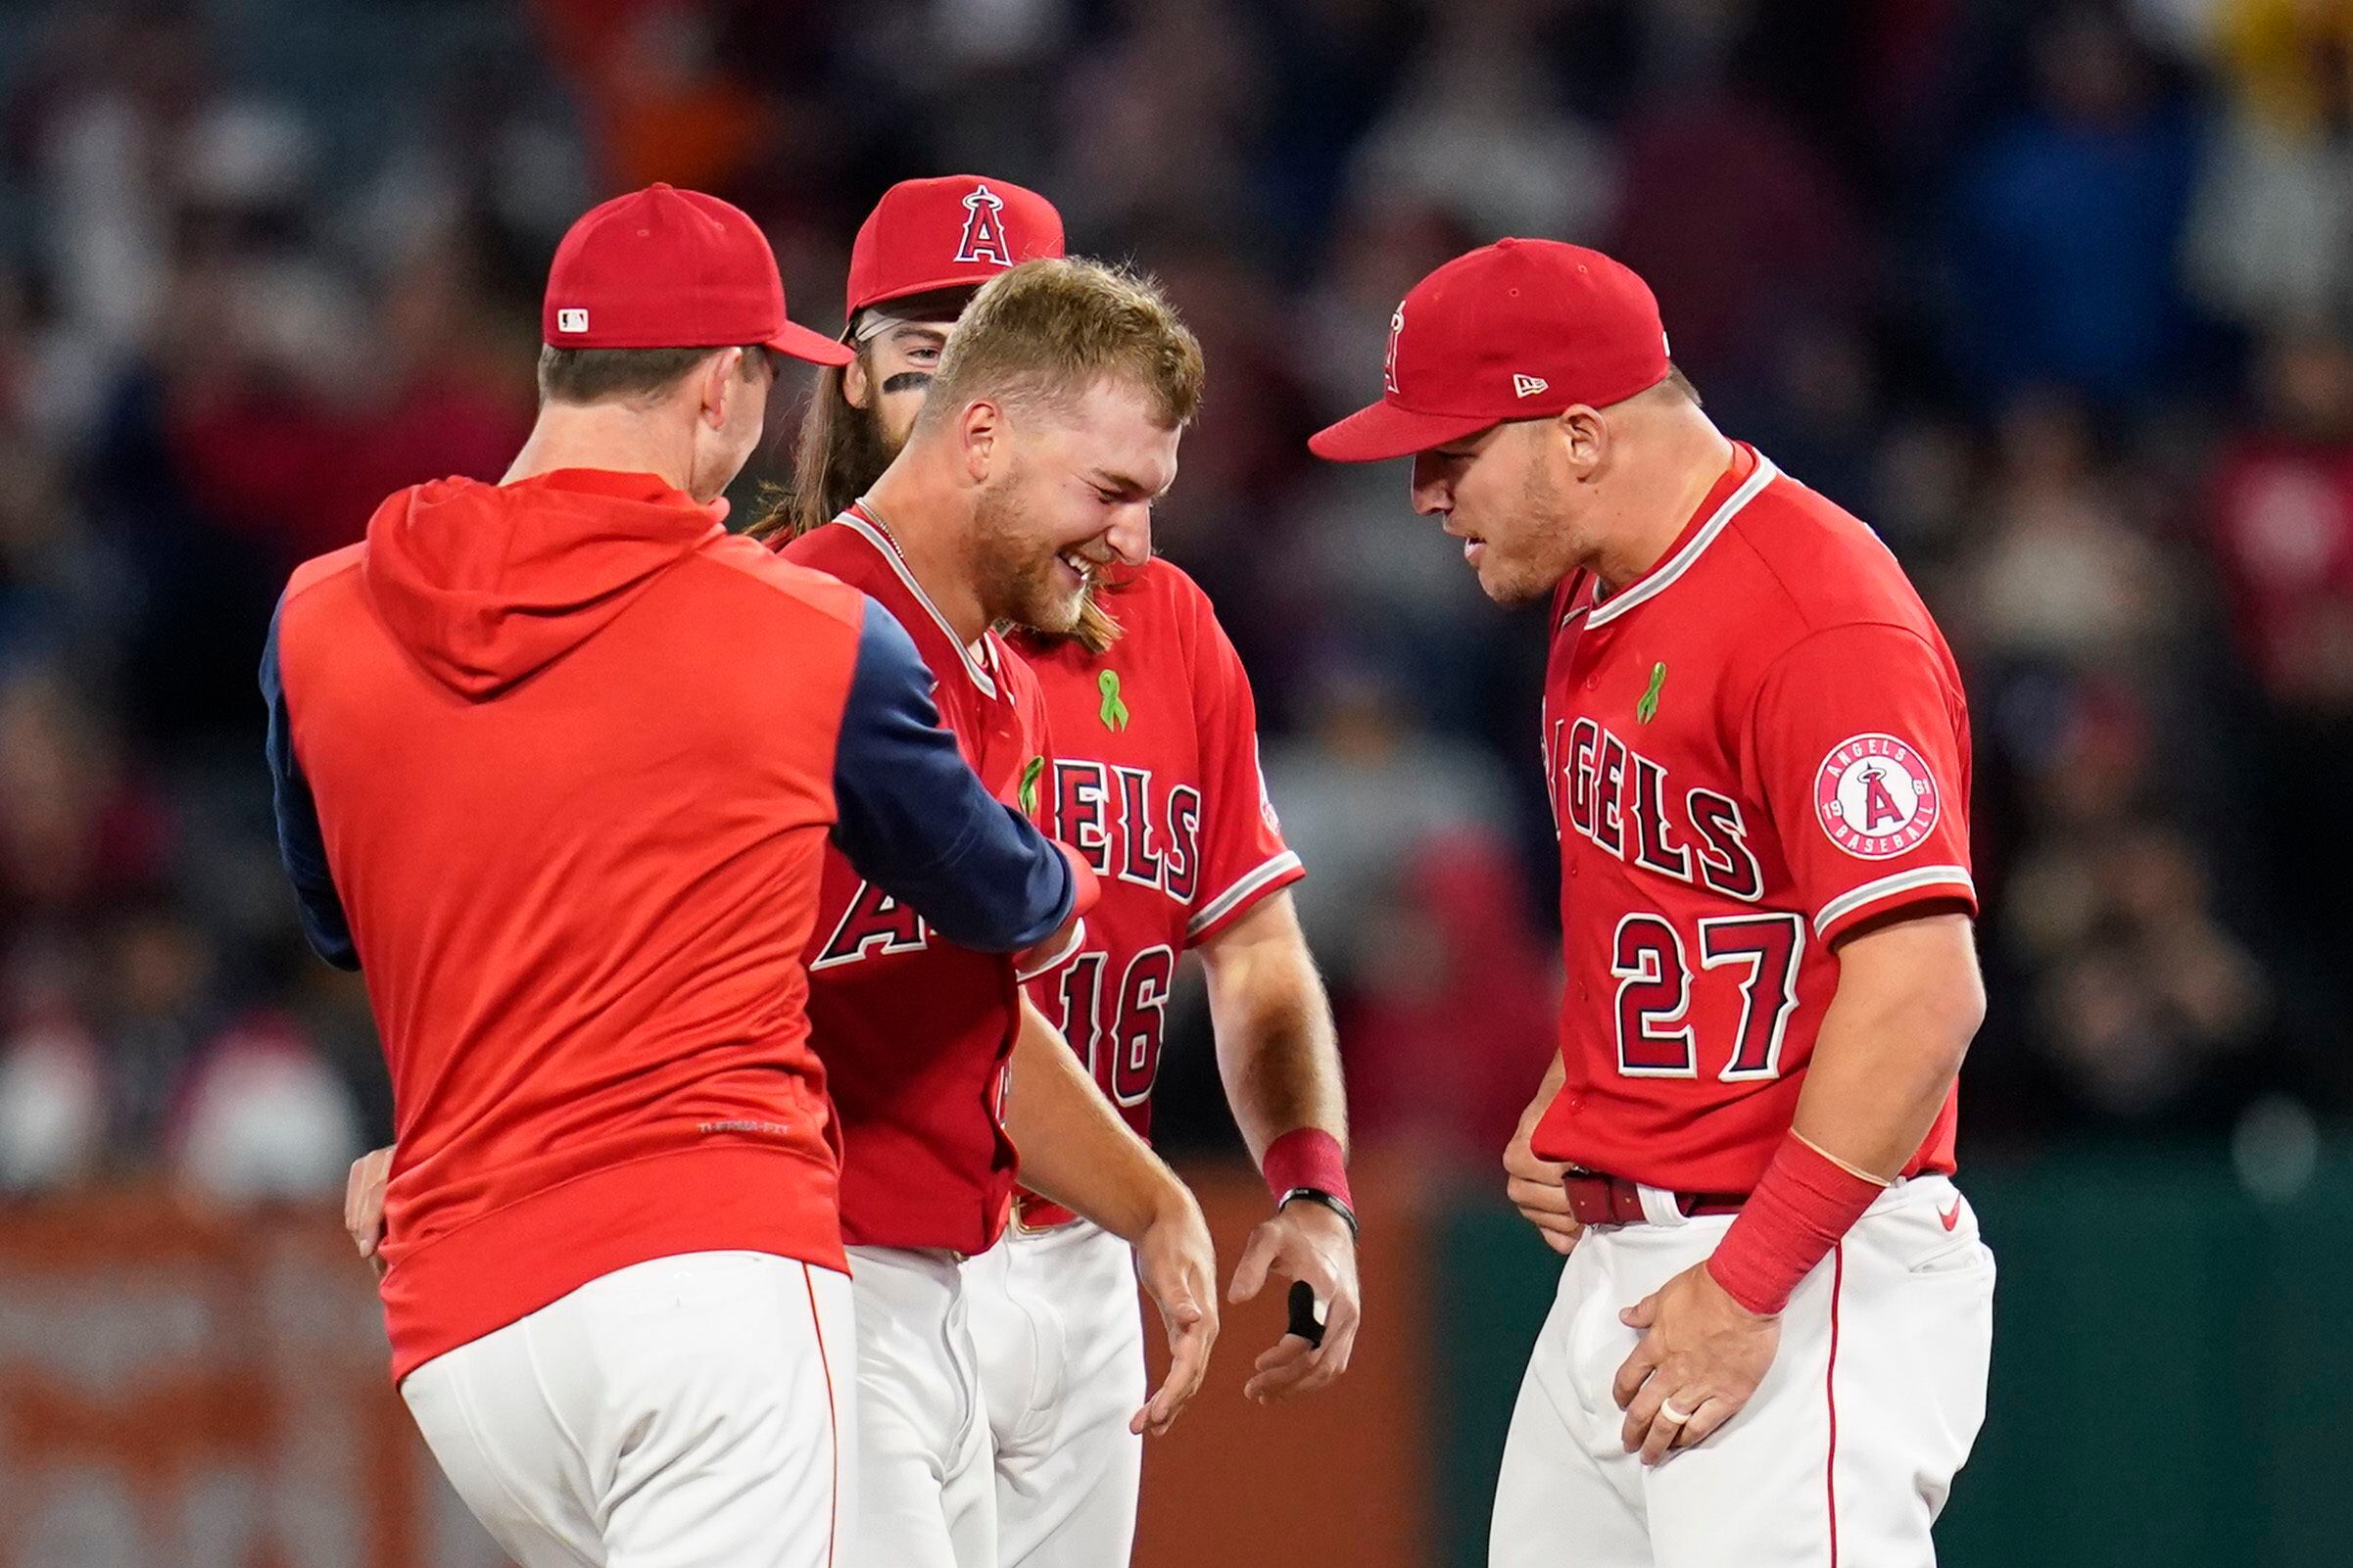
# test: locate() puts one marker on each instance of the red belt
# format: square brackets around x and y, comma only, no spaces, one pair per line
[1599,1200]
[1032,1214]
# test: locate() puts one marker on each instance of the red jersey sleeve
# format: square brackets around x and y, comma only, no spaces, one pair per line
[1243,857]
[1861,743]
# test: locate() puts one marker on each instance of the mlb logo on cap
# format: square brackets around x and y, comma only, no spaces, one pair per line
[666,269]
[1516,330]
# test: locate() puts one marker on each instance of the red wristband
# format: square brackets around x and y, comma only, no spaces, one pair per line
[1307,1156]
[1805,1202]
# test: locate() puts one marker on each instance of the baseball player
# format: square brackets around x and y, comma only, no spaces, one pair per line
[1771,1336]
[1155,775]
[1052,425]
[536,779]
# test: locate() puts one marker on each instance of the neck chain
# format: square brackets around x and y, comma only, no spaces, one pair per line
[978,647]
[867,506]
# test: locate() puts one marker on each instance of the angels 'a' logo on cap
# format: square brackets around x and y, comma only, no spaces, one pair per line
[983,238]
[1397,326]
[1876,797]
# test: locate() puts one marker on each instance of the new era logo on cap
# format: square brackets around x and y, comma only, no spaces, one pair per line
[1559,324]
[571,320]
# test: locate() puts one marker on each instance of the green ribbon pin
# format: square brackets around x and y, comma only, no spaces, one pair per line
[1038,765]
[1115,712]
[1648,708]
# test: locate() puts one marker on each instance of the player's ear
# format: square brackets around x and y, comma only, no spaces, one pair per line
[980,430]
[858,385]
[1581,436]
[720,379]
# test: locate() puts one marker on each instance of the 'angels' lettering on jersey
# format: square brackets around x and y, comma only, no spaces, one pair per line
[1126,826]
[1624,804]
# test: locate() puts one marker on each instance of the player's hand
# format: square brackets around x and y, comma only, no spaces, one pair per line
[1303,1241]
[364,1204]
[1534,1185]
[1703,1350]
[1179,1268]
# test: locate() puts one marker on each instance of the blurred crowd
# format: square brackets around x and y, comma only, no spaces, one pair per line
[2059,296]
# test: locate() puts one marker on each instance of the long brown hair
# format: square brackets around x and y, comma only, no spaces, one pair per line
[841,452]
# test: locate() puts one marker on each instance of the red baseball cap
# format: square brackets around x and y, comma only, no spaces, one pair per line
[955,231]
[664,268]
[1516,330]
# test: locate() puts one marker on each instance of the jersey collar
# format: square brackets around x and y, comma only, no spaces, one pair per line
[861,521]
[1661,577]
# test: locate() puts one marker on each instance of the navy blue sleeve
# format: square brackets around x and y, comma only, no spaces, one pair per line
[300,846]
[917,822]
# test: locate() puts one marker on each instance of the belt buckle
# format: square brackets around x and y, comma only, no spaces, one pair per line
[1588,1193]
[1022,1225]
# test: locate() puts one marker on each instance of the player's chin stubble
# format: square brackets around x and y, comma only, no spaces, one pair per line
[1020,579]
[1507,582]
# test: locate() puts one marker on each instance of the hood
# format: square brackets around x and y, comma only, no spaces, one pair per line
[487,584]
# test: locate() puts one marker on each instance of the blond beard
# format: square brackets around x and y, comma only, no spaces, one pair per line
[1017,581]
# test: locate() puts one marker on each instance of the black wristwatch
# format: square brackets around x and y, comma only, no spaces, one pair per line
[1330,1199]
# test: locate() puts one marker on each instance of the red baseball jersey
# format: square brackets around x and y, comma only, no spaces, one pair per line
[1156,782]
[1753,748]
[915,1032]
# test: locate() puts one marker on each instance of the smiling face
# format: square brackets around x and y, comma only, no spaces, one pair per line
[1073,492]
[1503,494]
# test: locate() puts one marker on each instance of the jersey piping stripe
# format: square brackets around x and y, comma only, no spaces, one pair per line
[1226,902]
[1830,1395]
[1904,881]
[832,1417]
[1659,581]
[972,666]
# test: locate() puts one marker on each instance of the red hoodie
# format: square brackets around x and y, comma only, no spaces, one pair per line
[556,764]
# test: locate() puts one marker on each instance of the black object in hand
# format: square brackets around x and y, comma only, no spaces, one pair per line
[1304,1321]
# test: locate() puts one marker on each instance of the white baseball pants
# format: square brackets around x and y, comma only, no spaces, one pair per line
[1061,1336]
[925,1495]
[1845,1453]
[691,1412]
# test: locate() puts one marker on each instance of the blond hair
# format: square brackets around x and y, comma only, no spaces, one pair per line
[1046,332]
